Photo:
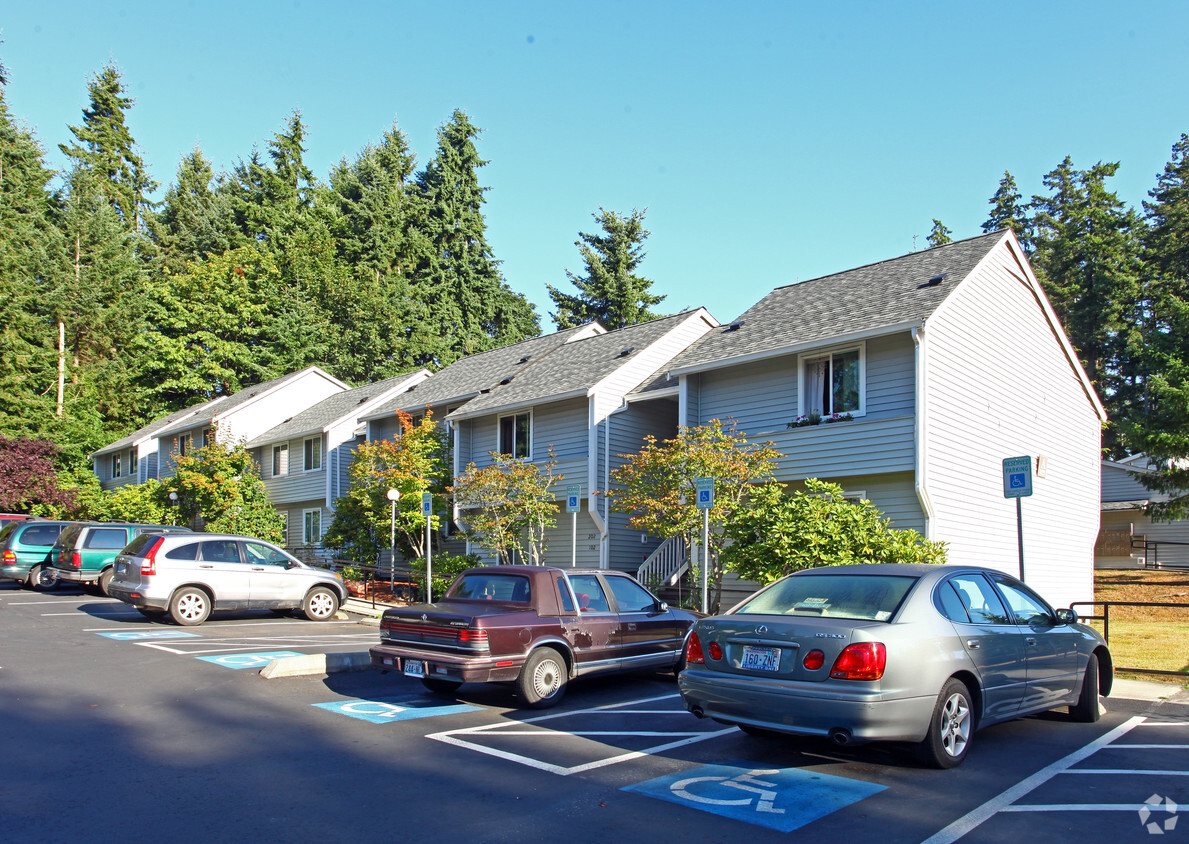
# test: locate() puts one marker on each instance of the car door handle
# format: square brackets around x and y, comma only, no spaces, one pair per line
[205,566]
[973,644]
[1030,642]
[257,568]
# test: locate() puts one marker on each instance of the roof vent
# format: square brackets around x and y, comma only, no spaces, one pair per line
[937,279]
[626,352]
[485,391]
[290,419]
[526,358]
[735,326]
[507,380]
[362,400]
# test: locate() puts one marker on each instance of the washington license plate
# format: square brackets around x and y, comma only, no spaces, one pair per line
[761,659]
[414,668]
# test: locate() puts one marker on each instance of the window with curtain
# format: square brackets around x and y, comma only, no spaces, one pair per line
[832,383]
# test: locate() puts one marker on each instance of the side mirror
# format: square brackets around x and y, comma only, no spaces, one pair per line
[661,606]
[1066,616]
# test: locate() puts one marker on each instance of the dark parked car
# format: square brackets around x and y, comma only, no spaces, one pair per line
[25,548]
[534,626]
[915,653]
[85,552]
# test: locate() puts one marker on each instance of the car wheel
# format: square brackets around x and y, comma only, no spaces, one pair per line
[190,606]
[1086,709]
[542,680]
[320,604]
[105,577]
[42,578]
[950,728]
[439,686]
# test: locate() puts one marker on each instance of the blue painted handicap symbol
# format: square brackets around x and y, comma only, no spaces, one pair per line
[137,635]
[255,660]
[384,711]
[783,799]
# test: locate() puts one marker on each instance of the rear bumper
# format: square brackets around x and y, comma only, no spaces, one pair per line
[15,572]
[456,667]
[75,575]
[137,599]
[797,708]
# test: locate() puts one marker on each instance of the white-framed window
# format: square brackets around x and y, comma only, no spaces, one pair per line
[313,454]
[115,465]
[133,462]
[833,382]
[285,527]
[311,527]
[184,445]
[280,460]
[516,435]
[206,437]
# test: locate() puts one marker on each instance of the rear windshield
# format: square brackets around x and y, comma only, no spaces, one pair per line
[138,546]
[40,535]
[865,597]
[68,535]
[492,587]
[107,539]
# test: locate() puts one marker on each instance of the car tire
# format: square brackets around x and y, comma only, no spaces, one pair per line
[105,577]
[439,686]
[190,606]
[320,604]
[42,578]
[951,728]
[1086,709]
[542,680]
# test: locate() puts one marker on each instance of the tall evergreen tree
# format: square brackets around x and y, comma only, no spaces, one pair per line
[29,242]
[104,145]
[1086,254]
[271,199]
[1160,428]
[469,308]
[194,219]
[1008,212]
[610,292]
[939,235]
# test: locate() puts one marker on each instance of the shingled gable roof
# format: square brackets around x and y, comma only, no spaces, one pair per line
[141,434]
[576,368]
[866,301]
[210,410]
[341,407]
[468,376]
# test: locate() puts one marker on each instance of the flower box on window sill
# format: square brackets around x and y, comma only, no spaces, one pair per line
[818,419]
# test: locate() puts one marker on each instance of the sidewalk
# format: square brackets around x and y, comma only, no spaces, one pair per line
[1148,690]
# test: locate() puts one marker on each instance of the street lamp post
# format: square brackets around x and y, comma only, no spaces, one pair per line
[173,502]
[393,496]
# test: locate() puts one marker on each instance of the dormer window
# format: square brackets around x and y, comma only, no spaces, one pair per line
[833,382]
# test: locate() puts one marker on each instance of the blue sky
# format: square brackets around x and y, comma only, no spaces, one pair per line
[770,142]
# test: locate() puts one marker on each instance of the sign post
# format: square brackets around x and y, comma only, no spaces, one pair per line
[705,500]
[1017,484]
[573,505]
[427,511]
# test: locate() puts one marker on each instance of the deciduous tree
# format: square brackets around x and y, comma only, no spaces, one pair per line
[508,506]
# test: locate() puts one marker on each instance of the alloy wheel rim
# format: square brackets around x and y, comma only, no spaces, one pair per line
[546,678]
[191,606]
[955,725]
[320,605]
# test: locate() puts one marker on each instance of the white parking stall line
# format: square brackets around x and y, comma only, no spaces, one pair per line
[209,626]
[257,643]
[682,737]
[1005,802]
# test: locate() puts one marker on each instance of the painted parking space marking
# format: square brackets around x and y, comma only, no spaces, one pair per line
[783,799]
[1008,801]
[533,743]
[139,635]
[243,643]
[255,660]
[388,710]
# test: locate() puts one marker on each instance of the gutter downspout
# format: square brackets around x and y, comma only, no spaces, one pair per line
[920,429]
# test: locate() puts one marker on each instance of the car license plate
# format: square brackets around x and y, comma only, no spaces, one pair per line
[414,668]
[761,659]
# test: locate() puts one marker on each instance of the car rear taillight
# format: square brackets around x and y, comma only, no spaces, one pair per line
[860,661]
[715,650]
[76,560]
[472,637]
[814,660]
[693,651]
[10,558]
[148,566]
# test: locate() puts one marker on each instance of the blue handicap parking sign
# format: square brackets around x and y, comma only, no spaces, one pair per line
[385,711]
[783,799]
[137,635]
[253,660]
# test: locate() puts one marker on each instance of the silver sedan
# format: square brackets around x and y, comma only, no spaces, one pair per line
[885,652]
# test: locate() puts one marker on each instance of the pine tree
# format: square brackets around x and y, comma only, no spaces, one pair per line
[468,306]
[271,199]
[939,235]
[610,292]
[194,219]
[1008,212]
[104,145]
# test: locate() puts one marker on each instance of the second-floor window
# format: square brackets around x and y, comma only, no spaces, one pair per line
[132,461]
[115,465]
[515,433]
[184,445]
[833,382]
[206,437]
[280,459]
[313,454]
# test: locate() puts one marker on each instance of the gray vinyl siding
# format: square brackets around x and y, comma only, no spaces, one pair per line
[1118,484]
[386,428]
[999,384]
[1141,526]
[298,484]
[658,417]
[559,540]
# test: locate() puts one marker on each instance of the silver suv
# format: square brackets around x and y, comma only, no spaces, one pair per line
[189,575]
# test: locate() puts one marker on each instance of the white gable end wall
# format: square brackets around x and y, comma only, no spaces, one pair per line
[252,418]
[997,384]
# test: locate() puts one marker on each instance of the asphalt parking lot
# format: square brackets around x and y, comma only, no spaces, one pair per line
[84,678]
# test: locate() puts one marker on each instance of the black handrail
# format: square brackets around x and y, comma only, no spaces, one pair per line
[1105,618]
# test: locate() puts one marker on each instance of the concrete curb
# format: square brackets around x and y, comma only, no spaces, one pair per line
[308,664]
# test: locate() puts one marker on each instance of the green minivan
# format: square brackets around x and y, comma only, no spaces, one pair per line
[86,551]
[25,548]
